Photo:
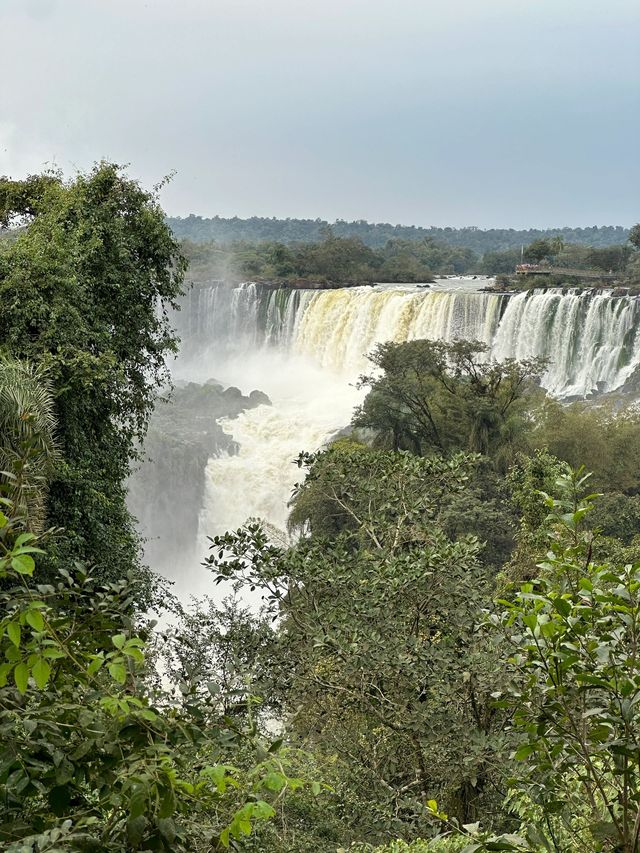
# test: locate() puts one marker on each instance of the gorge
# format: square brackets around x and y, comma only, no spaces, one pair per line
[305,350]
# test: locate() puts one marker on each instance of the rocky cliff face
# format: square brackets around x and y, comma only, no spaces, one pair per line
[166,491]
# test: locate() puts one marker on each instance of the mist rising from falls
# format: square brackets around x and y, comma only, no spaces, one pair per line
[308,408]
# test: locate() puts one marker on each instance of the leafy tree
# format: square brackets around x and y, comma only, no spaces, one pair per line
[538,250]
[528,477]
[434,397]
[500,262]
[634,236]
[85,288]
[379,610]
[575,687]
[609,259]
[90,759]
[226,652]
[431,396]
[607,435]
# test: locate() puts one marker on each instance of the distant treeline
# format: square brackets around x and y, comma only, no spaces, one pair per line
[348,260]
[344,260]
[287,231]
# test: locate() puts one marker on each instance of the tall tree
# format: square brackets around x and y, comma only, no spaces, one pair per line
[432,396]
[379,613]
[85,289]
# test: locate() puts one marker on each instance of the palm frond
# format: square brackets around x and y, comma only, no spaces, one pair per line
[28,451]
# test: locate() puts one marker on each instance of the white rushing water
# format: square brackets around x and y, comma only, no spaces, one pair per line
[338,328]
[309,407]
[305,349]
[591,340]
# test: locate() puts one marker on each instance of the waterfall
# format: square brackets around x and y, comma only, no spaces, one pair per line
[339,327]
[216,316]
[590,339]
[306,348]
[257,482]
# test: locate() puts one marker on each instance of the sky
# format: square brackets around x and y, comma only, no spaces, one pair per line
[493,113]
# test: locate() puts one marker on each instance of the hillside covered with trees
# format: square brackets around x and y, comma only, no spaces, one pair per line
[349,260]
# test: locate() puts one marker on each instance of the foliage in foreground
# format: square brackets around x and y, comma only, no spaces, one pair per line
[92,756]
[90,759]
[574,633]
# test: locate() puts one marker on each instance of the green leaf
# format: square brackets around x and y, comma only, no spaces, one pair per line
[41,671]
[23,564]
[5,669]
[167,803]
[537,838]
[562,606]
[59,798]
[138,801]
[274,781]
[262,810]
[119,640]
[21,677]
[13,632]
[506,842]
[135,830]
[118,672]
[34,618]
[275,746]
[95,665]
[167,829]
[524,751]
[148,714]
[135,653]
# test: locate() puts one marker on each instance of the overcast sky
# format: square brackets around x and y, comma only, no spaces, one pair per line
[447,112]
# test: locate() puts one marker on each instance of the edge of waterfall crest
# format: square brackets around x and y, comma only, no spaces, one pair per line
[590,338]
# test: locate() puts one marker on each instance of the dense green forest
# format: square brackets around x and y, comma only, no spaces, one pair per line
[447,655]
[258,229]
[333,259]
[349,260]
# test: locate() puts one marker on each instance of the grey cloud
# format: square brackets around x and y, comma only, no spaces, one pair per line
[505,112]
